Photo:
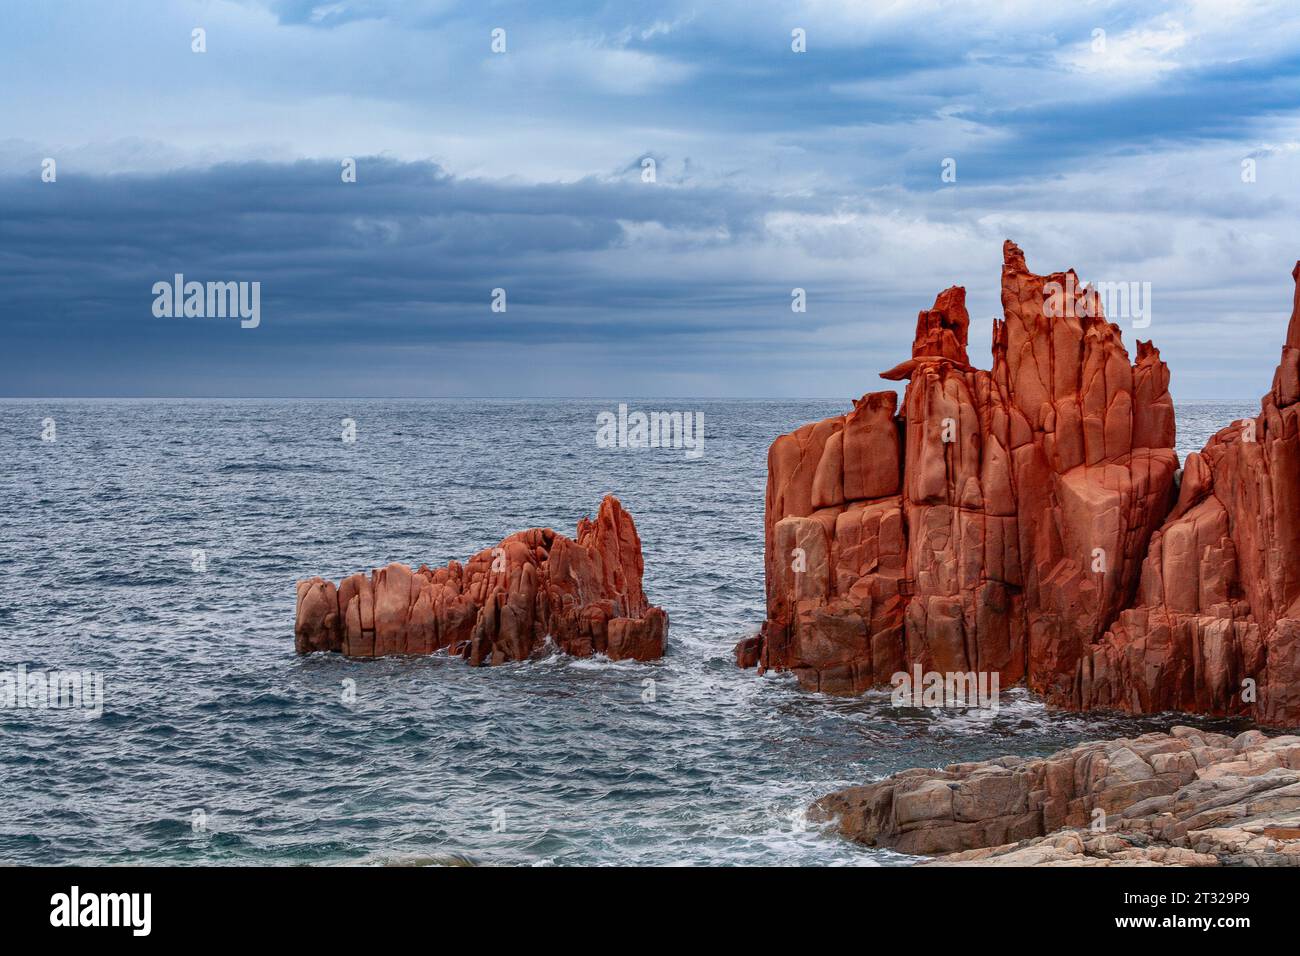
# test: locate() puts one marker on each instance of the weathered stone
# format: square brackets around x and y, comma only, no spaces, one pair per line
[584,594]
[1215,628]
[1232,812]
[1034,529]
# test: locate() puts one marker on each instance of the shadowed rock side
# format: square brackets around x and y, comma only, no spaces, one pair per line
[1185,798]
[1216,625]
[997,524]
[584,593]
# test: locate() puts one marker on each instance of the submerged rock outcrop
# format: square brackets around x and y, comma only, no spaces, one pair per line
[1026,521]
[583,593]
[1185,798]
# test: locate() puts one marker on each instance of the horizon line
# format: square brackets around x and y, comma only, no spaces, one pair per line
[489,398]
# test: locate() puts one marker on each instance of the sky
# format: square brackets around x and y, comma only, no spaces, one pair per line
[1112,138]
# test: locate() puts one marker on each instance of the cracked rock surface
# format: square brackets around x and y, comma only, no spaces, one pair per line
[1188,797]
[582,593]
[1032,522]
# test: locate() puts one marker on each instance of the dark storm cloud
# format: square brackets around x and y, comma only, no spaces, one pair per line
[404,235]
[774,170]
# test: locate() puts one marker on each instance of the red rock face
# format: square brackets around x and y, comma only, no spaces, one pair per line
[1216,625]
[584,593]
[997,524]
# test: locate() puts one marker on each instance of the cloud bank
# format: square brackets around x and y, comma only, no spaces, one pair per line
[1117,152]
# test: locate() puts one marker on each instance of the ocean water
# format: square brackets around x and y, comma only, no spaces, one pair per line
[219,745]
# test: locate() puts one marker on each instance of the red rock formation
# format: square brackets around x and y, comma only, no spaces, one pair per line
[835,551]
[1012,535]
[1216,625]
[583,593]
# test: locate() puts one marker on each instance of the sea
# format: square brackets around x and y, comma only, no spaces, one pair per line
[156,544]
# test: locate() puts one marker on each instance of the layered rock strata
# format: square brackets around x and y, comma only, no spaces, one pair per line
[582,593]
[1189,797]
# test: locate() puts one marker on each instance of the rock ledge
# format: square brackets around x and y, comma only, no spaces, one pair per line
[1188,797]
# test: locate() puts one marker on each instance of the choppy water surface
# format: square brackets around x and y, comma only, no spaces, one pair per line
[210,714]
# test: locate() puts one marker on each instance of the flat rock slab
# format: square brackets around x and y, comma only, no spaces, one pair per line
[1186,798]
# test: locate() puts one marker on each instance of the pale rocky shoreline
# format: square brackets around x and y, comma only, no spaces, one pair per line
[1186,798]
